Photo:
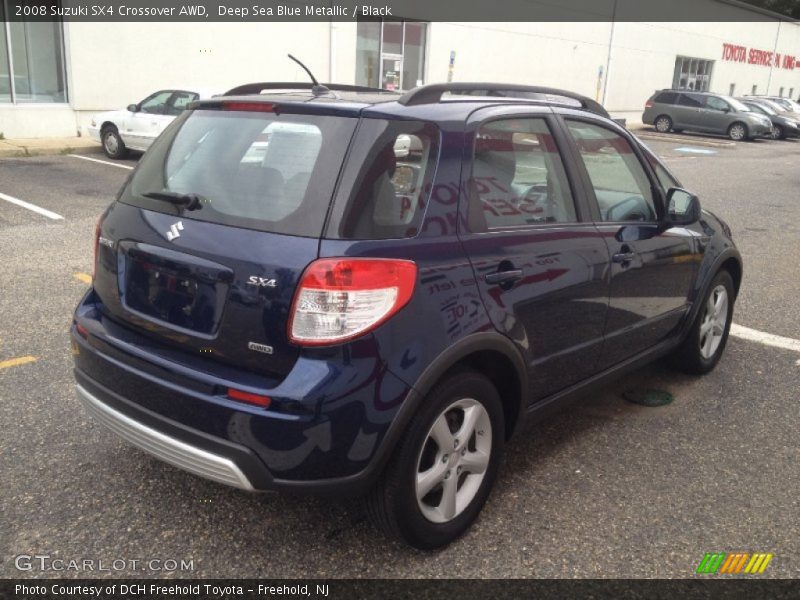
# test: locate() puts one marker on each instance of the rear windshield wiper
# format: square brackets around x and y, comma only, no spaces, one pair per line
[189,201]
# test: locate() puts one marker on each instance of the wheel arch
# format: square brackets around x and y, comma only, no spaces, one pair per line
[494,356]
[107,125]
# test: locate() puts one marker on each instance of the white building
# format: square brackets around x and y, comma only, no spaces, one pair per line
[64,72]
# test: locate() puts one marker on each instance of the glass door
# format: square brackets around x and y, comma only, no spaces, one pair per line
[391,71]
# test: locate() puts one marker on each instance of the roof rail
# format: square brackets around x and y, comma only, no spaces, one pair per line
[255,88]
[432,94]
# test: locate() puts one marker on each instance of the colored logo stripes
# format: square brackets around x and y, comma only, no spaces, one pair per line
[736,562]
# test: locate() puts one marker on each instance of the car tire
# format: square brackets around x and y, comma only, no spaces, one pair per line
[113,146]
[778,133]
[663,124]
[464,410]
[677,130]
[738,132]
[703,347]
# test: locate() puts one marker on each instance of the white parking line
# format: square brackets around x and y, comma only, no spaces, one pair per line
[767,339]
[37,209]
[102,162]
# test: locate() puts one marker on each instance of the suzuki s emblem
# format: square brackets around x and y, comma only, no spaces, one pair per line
[174,230]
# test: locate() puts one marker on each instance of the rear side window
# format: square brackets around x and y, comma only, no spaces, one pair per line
[691,100]
[386,185]
[518,178]
[667,98]
[265,171]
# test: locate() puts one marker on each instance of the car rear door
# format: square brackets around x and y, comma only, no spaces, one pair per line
[688,111]
[652,268]
[539,261]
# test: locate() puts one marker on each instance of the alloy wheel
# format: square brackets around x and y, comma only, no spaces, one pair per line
[777,132]
[663,125]
[715,318]
[737,132]
[453,460]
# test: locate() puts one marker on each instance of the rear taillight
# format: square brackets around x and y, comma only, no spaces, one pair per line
[649,104]
[339,299]
[96,244]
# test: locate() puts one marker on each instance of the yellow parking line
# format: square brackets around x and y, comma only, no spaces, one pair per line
[84,277]
[14,362]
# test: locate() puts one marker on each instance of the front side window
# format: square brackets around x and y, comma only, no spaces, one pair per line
[265,171]
[715,103]
[518,178]
[155,104]
[620,183]
[667,98]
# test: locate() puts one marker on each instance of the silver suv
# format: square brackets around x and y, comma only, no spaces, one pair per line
[676,110]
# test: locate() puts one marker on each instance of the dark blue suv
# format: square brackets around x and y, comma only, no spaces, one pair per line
[343,290]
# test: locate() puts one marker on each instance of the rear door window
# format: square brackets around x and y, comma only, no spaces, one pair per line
[518,178]
[266,171]
[691,100]
[667,98]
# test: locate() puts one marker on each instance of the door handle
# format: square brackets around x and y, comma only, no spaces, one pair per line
[501,277]
[623,257]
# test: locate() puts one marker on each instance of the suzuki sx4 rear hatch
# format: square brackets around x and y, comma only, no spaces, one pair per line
[209,237]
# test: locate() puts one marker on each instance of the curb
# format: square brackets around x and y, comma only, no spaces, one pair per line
[647,134]
[29,151]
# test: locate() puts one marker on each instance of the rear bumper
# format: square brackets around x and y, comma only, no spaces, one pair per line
[215,464]
[325,432]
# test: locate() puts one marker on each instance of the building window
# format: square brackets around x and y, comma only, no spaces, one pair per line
[780,93]
[31,61]
[732,90]
[692,73]
[755,90]
[791,93]
[390,54]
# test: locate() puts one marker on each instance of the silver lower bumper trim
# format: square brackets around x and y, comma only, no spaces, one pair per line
[177,453]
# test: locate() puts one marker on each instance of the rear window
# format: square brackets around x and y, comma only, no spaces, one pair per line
[266,171]
[667,98]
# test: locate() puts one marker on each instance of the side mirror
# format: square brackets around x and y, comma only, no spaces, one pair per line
[683,208]
[133,108]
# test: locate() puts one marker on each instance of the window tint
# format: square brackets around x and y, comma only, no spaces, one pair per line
[257,170]
[178,102]
[518,178]
[715,103]
[667,98]
[156,104]
[389,182]
[691,100]
[620,182]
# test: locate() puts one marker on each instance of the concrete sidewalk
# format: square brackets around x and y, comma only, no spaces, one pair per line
[43,146]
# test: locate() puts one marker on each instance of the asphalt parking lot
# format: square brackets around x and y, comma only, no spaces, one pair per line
[606,489]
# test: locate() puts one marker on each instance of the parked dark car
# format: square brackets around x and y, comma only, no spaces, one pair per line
[786,104]
[679,110]
[783,125]
[400,284]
